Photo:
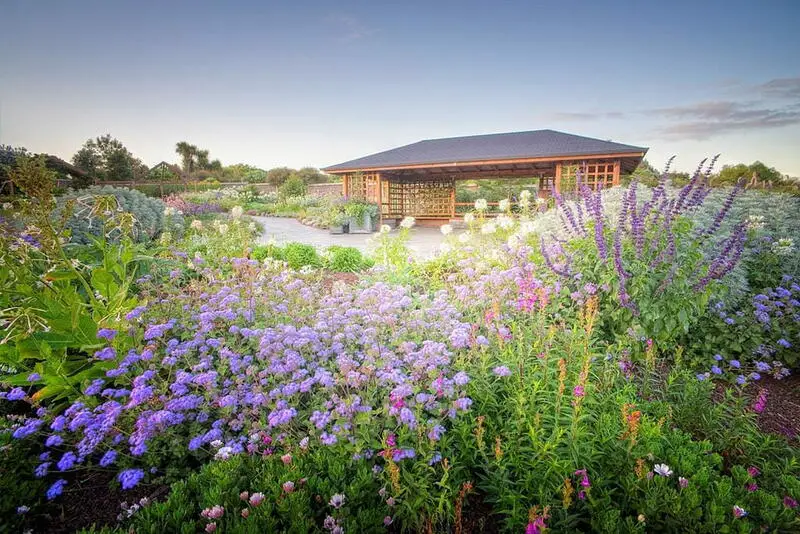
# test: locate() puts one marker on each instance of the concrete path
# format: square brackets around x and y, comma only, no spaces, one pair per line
[424,242]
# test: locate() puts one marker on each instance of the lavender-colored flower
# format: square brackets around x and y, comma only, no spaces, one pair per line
[16,394]
[106,333]
[337,500]
[716,370]
[23,509]
[56,489]
[130,478]
[682,482]
[501,371]
[739,512]
[735,364]
[783,343]
[108,458]
[662,469]
[33,377]
[107,353]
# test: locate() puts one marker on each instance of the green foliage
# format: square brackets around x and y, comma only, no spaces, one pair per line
[294,186]
[84,222]
[345,259]
[299,255]
[106,159]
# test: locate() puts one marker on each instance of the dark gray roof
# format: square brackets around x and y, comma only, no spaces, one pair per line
[514,145]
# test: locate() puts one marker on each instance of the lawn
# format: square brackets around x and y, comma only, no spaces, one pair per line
[618,363]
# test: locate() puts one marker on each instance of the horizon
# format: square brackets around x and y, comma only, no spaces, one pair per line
[307,84]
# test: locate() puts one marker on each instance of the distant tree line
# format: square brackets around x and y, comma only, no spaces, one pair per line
[756,174]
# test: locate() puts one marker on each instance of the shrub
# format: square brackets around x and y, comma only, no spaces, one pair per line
[261,252]
[345,259]
[149,218]
[299,255]
[294,186]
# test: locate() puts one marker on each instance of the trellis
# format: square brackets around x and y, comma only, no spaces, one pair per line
[594,174]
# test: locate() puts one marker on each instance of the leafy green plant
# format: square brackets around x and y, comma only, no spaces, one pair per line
[300,255]
[345,259]
[294,186]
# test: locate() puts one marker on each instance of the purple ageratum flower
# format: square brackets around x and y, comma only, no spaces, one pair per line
[435,433]
[718,357]
[741,380]
[108,458]
[107,353]
[135,313]
[33,377]
[53,440]
[716,370]
[16,394]
[735,364]
[95,387]
[56,489]
[501,371]
[785,344]
[461,378]
[462,403]
[106,333]
[41,470]
[130,478]
[67,461]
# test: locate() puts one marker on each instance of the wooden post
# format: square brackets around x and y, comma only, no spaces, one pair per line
[345,184]
[557,180]
[616,172]
[453,200]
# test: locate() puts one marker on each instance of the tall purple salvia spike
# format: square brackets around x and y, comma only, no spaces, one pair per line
[549,261]
[726,206]
[685,190]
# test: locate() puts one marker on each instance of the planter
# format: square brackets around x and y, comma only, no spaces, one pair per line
[362,226]
[340,229]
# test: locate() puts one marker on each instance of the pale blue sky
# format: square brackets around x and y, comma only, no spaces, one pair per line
[316,83]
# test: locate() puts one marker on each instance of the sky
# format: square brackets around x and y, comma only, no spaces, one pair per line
[315,83]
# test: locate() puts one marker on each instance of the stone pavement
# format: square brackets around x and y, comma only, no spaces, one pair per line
[424,241]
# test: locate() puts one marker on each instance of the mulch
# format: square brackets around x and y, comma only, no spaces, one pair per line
[92,500]
[781,414]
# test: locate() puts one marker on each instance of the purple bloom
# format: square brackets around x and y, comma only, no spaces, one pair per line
[33,377]
[716,370]
[106,333]
[16,394]
[107,353]
[501,370]
[56,489]
[130,478]
[67,461]
[741,380]
[783,343]
[735,364]
[108,458]
[718,357]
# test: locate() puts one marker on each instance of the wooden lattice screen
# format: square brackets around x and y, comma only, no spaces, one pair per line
[420,198]
[594,174]
[363,185]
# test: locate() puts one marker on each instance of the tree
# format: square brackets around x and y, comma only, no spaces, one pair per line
[731,174]
[278,175]
[106,159]
[186,152]
[310,175]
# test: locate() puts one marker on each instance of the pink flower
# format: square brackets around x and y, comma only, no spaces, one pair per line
[288,486]
[286,459]
[788,502]
[256,499]
[245,512]
[211,527]
[584,478]
[761,401]
[387,520]
[244,495]
[682,482]
[752,487]
[753,471]
[739,512]
[536,527]
[578,391]
[215,512]
[391,440]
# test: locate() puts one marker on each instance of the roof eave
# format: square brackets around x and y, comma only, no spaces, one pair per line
[639,153]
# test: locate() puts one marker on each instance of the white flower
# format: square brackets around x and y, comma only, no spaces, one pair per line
[464,238]
[524,194]
[489,228]
[481,204]
[662,469]
[469,218]
[526,228]
[169,211]
[445,248]
[504,205]
[524,202]
[446,229]
[272,242]
[755,222]
[216,443]
[224,453]
[408,222]
[223,229]
[540,200]
[237,212]
[505,222]
[385,228]
[8,206]
[197,224]
[783,246]
[514,240]
[251,227]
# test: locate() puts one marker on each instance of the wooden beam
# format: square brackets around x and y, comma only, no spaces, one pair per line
[557,181]
[616,172]
[477,163]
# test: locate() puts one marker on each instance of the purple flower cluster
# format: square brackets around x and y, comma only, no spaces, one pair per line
[258,361]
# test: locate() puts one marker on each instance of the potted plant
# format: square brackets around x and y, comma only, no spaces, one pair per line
[361,216]
[338,222]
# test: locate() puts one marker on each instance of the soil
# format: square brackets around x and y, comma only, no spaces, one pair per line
[92,500]
[781,414]
[332,278]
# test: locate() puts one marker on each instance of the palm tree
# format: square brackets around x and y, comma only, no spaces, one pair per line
[202,159]
[187,153]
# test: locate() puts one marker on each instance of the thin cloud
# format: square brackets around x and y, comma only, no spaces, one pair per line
[774,104]
[349,28]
